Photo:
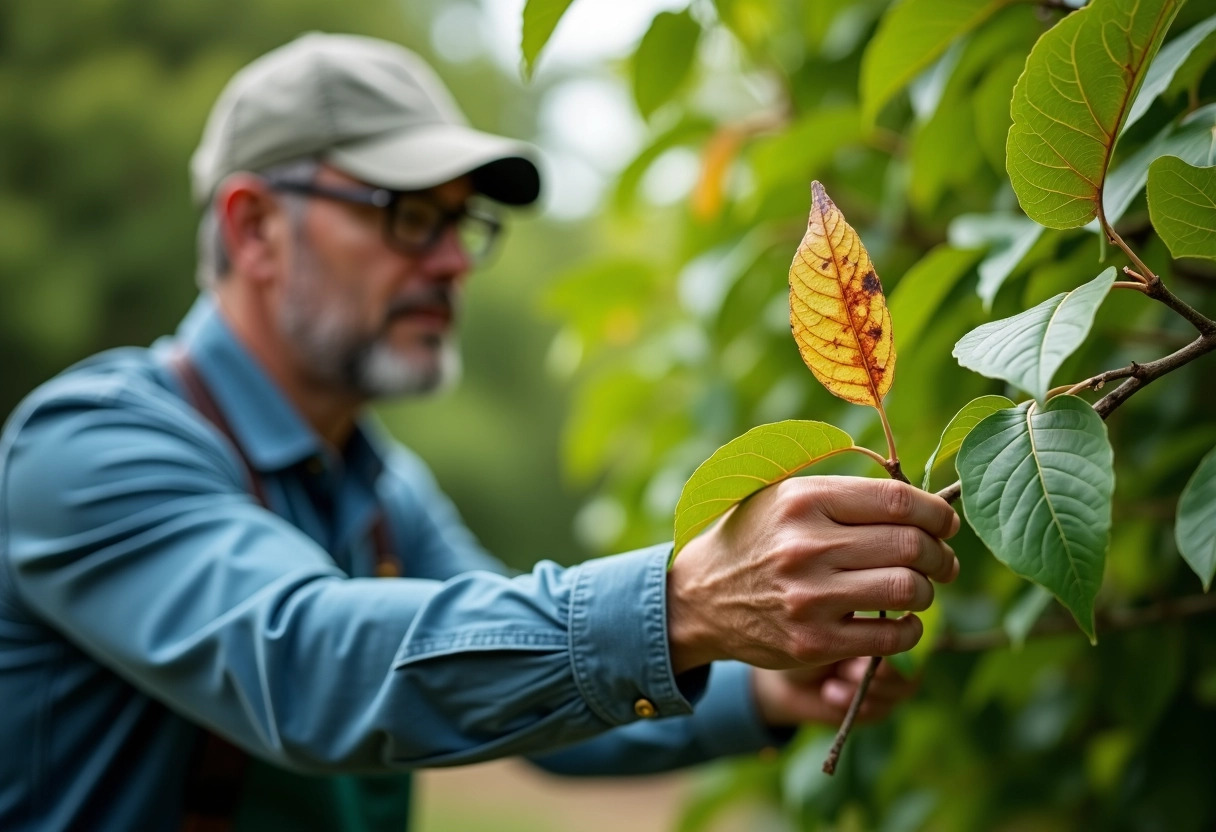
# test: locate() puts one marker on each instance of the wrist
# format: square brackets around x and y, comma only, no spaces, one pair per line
[690,636]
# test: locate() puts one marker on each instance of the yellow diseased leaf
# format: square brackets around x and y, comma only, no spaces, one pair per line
[838,313]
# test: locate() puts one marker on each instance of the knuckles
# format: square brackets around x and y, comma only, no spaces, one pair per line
[905,545]
[908,590]
[892,640]
[896,498]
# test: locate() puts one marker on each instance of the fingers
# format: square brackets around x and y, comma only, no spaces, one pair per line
[876,636]
[870,547]
[859,500]
[889,588]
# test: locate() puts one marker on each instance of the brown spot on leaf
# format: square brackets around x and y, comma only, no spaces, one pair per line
[875,332]
[870,284]
[827,264]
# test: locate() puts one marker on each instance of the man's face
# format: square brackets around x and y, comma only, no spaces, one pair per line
[364,317]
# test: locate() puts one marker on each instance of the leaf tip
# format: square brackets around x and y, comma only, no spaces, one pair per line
[820,198]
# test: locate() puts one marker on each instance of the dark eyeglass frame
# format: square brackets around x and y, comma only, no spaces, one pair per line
[388,200]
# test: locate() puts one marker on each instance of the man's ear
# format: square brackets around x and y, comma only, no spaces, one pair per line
[252,223]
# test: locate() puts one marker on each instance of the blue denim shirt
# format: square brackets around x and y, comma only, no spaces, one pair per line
[145,593]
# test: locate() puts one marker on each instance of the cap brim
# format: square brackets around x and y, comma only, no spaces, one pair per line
[503,169]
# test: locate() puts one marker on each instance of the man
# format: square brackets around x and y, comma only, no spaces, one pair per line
[189,632]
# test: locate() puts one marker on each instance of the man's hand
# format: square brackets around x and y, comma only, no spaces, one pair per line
[775,584]
[823,694]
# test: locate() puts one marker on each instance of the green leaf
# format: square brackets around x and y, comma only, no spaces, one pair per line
[755,460]
[1008,238]
[944,153]
[1021,618]
[1161,71]
[1027,349]
[663,59]
[540,19]
[910,37]
[1195,532]
[1070,103]
[1182,206]
[1190,74]
[991,107]
[920,292]
[1194,141]
[1037,487]
[973,412]
[794,154]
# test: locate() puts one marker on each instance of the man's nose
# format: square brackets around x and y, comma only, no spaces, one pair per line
[448,259]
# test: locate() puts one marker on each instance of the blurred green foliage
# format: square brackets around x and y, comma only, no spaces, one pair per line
[902,110]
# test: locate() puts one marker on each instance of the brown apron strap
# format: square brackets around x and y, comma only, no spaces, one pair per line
[217,770]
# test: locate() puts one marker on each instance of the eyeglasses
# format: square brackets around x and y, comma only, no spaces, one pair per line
[413,222]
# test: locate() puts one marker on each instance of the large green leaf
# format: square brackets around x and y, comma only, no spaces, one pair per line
[910,37]
[972,413]
[755,460]
[1027,349]
[1182,206]
[1161,71]
[1195,531]
[1037,487]
[540,19]
[1071,102]
[663,59]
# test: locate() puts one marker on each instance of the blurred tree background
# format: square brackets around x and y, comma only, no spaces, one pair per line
[607,356]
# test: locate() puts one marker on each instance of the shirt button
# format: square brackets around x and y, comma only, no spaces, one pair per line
[387,569]
[645,709]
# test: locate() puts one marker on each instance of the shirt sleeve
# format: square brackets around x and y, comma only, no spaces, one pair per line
[725,723]
[126,528]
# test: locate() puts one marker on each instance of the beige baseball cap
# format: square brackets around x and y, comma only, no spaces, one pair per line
[368,107]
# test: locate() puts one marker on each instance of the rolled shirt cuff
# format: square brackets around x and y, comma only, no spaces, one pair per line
[618,639]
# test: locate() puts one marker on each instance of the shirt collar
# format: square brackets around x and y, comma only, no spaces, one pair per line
[271,432]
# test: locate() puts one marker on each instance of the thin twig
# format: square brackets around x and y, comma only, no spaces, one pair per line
[829,765]
[1130,284]
[1137,375]
[1108,621]
[874,455]
[1143,272]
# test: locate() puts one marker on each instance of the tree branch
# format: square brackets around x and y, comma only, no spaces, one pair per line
[1157,290]
[1143,374]
[1109,621]
[1137,375]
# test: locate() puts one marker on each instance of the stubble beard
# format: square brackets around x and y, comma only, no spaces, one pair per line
[336,353]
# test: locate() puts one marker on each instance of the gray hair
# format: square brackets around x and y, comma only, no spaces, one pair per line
[213,260]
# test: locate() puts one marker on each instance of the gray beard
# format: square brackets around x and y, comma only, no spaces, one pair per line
[358,362]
